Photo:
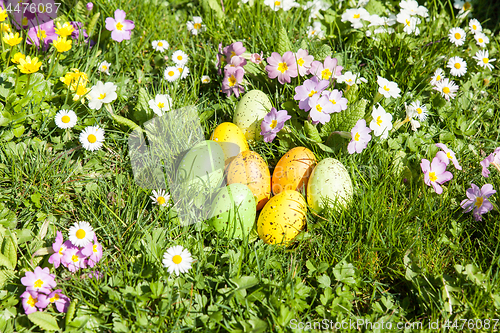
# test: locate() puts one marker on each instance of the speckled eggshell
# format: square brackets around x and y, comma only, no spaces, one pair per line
[329,185]
[282,218]
[233,211]
[293,170]
[250,169]
[250,111]
[230,138]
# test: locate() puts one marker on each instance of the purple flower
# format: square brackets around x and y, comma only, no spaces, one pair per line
[335,97]
[282,67]
[235,49]
[60,300]
[304,61]
[30,299]
[78,29]
[492,158]
[326,70]
[360,135]
[320,109]
[447,155]
[272,123]
[90,5]
[220,60]
[435,173]
[93,252]
[236,61]
[44,33]
[59,249]
[308,89]
[233,76]
[39,281]
[119,27]
[73,259]
[478,199]
[256,58]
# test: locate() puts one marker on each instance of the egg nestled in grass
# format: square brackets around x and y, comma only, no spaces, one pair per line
[250,111]
[293,170]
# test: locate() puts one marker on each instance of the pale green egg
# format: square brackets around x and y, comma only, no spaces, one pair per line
[250,111]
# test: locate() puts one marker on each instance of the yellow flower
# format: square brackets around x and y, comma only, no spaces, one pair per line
[29,65]
[3,14]
[80,91]
[62,44]
[12,39]
[75,79]
[4,27]
[18,56]
[65,30]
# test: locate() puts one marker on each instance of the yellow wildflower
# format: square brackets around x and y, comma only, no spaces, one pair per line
[3,14]
[12,39]
[65,30]
[62,44]
[18,56]
[29,65]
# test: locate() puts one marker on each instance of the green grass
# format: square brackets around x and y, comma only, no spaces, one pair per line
[400,253]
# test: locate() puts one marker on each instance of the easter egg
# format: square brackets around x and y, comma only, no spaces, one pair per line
[250,169]
[230,138]
[293,170]
[250,111]
[233,211]
[282,218]
[329,186]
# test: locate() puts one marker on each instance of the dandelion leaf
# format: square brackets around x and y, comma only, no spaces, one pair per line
[92,23]
[284,44]
[312,132]
[46,321]
[345,120]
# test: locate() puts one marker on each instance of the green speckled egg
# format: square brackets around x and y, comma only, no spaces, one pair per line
[329,186]
[250,111]
[233,211]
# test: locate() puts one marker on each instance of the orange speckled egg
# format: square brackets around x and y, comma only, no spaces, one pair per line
[249,168]
[231,138]
[282,218]
[293,170]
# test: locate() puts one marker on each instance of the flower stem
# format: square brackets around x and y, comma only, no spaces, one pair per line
[53,65]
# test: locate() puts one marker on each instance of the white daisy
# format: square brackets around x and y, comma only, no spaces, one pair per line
[160,45]
[458,67]
[462,5]
[457,36]
[481,39]
[412,8]
[183,71]
[161,198]
[81,234]
[410,114]
[104,67]
[92,138]
[355,15]
[350,78]
[475,26]
[205,79]
[315,30]
[438,76]
[177,260]
[281,4]
[180,58]
[101,93]
[420,110]
[447,88]
[388,88]
[171,74]
[410,23]
[161,104]
[195,25]
[483,59]
[65,119]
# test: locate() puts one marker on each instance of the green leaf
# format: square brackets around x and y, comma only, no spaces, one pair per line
[9,249]
[245,282]
[284,44]
[312,132]
[18,131]
[7,218]
[215,6]
[375,7]
[35,197]
[325,148]
[5,262]
[92,23]
[345,120]
[5,118]
[324,281]
[44,320]
[126,122]
[321,53]
[71,311]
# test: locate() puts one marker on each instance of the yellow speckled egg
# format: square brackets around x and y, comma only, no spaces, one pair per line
[293,170]
[282,218]
[249,168]
[231,139]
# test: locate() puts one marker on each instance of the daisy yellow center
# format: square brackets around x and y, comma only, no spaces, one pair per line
[438,78]
[205,80]
[356,16]
[80,234]
[446,90]
[38,283]
[300,62]
[277,3]
[179,57]
[379,120]
[161,105]
[160,200]
[486,60]
[177,259]
[474,27]
[171,73]
[356,137]
[32,301]
[232,81]
[326,73]
[480,40]
[319,108]
[197,26]
[160,44]
[432,176]
[448,154]
[91,139]
[386,89]
[104,67]
[479,202]
[65,119]
[273,123]
[55,298]
[457,65]
[94,248]
[180,69]
[311,94]
[41,34]
[419,110]
[119,26]
[313,32]
[282,67]
[467,5]
[457,35]
[102,96]
[75,258]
